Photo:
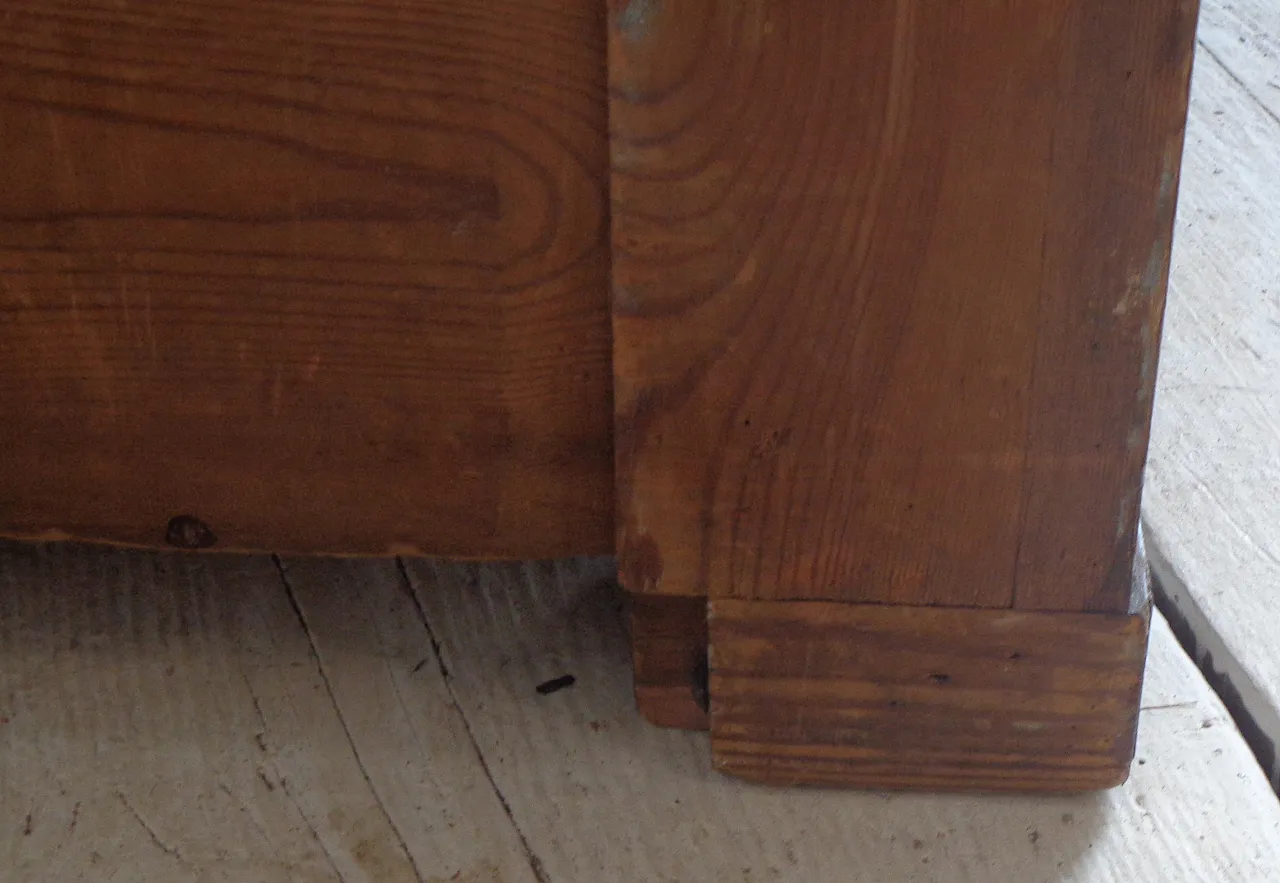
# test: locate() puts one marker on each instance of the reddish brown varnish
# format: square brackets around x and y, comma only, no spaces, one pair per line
[888,279]
[885,282]
[325,277]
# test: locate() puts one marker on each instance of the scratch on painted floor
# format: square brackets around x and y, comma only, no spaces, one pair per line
[535,863]
[1260,546]
[315,835]
[245,810]
[151,831]
[342,719]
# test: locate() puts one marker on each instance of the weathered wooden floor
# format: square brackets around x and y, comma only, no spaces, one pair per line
[177,718]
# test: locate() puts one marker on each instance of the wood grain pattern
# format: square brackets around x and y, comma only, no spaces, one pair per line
[888,281]
[669,660]
[326,277]
[909,697]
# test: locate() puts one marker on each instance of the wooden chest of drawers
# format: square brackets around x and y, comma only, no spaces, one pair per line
[838,320]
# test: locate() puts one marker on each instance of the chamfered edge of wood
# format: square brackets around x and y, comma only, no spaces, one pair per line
[943,699]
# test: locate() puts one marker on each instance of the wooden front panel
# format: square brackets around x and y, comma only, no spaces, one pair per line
[323,276]
[888,279]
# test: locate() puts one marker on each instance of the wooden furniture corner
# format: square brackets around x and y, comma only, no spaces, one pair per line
[838,322]
[888,282]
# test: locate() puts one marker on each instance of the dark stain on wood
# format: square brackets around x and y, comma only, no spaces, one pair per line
[189,532]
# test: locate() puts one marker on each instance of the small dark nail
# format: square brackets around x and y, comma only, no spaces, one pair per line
[546,688]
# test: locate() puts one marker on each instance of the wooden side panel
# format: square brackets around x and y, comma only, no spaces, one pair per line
[669,660]
[909,697]
[1117,153]
[327,277]
[887,284]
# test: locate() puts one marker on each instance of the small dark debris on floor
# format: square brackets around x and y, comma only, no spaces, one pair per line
[555,685]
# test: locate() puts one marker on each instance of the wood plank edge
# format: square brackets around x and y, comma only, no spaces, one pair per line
[1254,716]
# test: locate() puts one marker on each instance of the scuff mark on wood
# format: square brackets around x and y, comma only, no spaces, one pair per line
[636,19]
[641,565]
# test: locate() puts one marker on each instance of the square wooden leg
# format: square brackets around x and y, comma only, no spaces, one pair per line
[888,281]
[896,696]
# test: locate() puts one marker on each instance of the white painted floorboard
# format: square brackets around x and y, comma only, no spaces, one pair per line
[166,718]
[1244,36]
[170,718]
[1212,499]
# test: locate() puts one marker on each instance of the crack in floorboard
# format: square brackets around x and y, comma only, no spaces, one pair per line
[1195,634]
[342,720]
[1253,96]
[151,832]
[535,863]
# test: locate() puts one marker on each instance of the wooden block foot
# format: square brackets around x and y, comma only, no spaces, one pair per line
[873,696]
[669,648]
